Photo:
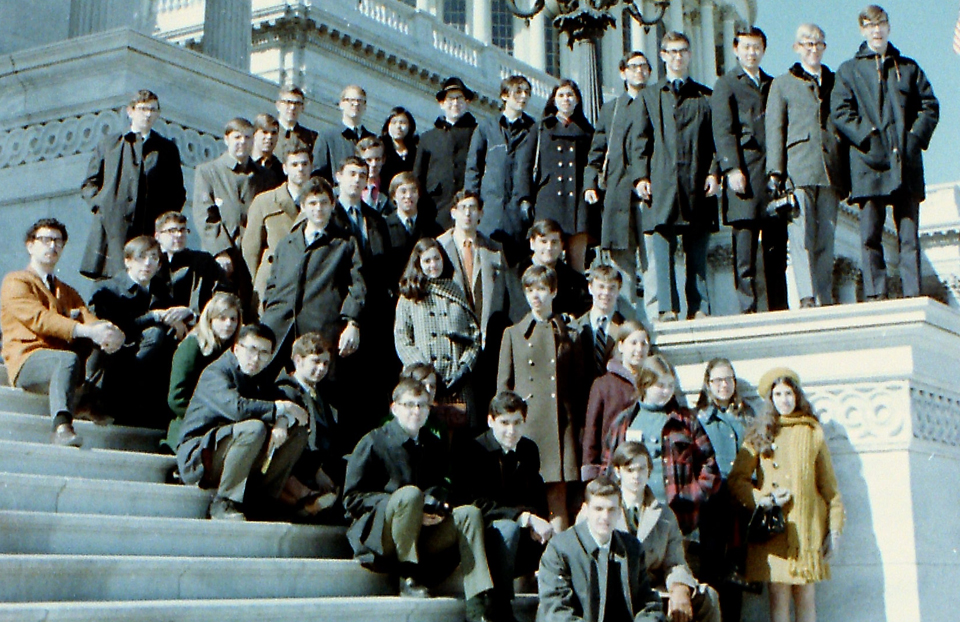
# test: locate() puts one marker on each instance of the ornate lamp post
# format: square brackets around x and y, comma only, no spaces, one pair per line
[584,21]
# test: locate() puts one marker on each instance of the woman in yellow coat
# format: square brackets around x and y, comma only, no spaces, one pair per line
[785,461]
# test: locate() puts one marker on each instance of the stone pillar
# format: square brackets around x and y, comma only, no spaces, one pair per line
[708,42]
[729,32]
[529,45]
[584,72]
[673,20]
[478,20]
[612,43]
[89,16]
[227,31]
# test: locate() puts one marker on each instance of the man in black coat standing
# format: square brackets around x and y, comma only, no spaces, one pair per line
[132,178]
[442,154]
[885,108]
[739,103]
[608,179]
[339,142]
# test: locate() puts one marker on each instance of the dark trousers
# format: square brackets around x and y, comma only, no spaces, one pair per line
[59,373]
[136,379]
[511,552]
[722,549]
[663,245]
[906,215]
[770,237]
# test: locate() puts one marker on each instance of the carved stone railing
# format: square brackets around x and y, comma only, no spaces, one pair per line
[75,135]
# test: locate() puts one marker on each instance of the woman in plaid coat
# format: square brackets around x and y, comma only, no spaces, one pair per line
[435,323]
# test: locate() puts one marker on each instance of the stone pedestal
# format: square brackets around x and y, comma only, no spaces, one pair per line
[882,377]
[90,16]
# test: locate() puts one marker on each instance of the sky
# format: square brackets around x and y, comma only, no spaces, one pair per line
[920,29]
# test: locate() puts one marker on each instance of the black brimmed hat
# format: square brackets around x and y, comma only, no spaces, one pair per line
[454,84]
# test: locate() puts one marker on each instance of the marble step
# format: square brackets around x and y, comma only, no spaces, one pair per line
[30,428]
[89,534]
[88,578]
[71,495]
[354,609]
[109,464]
[18,400]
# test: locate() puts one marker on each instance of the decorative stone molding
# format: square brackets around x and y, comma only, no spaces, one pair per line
[867,412]
[74,135]
[936,417]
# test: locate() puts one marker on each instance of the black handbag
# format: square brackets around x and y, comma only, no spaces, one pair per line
[766,523]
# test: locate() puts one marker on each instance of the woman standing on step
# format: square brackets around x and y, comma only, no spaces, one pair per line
[785,462]
[215,332]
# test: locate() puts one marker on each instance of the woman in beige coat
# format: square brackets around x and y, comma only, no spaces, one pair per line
[786,453]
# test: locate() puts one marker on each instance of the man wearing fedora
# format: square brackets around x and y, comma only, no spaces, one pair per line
[442,155]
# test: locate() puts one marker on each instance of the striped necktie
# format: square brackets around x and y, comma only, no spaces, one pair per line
[600,345]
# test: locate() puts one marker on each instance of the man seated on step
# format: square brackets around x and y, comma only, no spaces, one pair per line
[239,436]
[396,493]
[189,276]
[46,328]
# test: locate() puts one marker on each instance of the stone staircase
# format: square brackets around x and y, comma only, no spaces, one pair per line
[96,534]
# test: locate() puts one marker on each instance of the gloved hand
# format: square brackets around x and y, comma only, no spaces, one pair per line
[776,187]
[831,544]
[781,496]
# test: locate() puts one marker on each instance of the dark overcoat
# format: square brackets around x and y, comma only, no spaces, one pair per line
[314,288]
[442,162]
[223,190]
[561,160]
[385,460]
[739,105]
[332,146]
[129,183]
[573,297]
[886,141]
[673,143]
[611,171]
[500,170]
[393,164]
[190,277]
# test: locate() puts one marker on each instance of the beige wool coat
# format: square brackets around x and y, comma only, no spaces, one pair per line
[800,463]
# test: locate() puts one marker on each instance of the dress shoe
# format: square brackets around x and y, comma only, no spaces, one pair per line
[409,588]
[478,608]
[222,508]
[700,315]
[668,316]
[65,436]
[808,302]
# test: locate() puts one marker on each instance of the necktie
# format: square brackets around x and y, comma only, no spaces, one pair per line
[357,224]
[676,86]
[600,345]
[468,264]
[408,225]
[51,285]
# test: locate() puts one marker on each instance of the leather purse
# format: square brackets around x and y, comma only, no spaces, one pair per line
[766,523]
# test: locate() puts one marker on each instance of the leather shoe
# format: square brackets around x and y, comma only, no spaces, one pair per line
[478,608]
[668,316]
[222,508]
[65,436]
[409,588]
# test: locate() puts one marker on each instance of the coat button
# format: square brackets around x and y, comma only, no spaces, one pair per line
[559,193]
[560,164]
[553,396]
[559,148]
[571,149]
[530,361]
[559,177]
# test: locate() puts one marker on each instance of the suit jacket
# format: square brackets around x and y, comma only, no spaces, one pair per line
[34,318]
[572,588]
[316,287]
[385,460]
[325,435]
[190,279]
[738,105]
[403,241]
[222,193]
[487,286]
[287,138]
[332,146]
[224,396]
[582,331]
[441,163]
[803,143]
[128,305]
[673,146]
[273,172]
[611,170]
[502,487]
[129,183]
[573,297]
[271,216]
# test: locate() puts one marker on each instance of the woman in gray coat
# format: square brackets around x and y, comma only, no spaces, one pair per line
[435,323]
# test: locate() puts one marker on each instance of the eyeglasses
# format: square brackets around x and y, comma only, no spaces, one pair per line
[260,353]
[723,380]
[148,109]
[878,24]
[354,100]
[675,51]
[812,45]
[415,405]
[638,66]
[290,102]
[176,231]
[54,240]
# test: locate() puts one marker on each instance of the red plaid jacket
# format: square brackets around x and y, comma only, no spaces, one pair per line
[690,471]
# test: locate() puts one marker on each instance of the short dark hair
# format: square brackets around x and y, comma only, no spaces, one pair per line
[463,195]
[396,112]
[419,371]
[308,344]
[507,402]
[402,178]
[143,96]
[539,275]
[291,90]
[605,272]
[508,84]
[629,451]
[45,223]
[543,228]
[352,160]
[264,122]
[368,142]
[872,13]
[408,385]
[629,56]
[258,330]
[139,246]
[170,216]
[602,486]
[752,31]
[237,124]
[316,186]
[297,147]
[673,37]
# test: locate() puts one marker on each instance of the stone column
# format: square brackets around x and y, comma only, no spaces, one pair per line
[708,41]
[89,16]
[227,31]
[529,45]
[674,17]
[478,20]
[729,32]
[612,43]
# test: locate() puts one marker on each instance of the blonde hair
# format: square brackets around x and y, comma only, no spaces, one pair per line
[811,31]
[219,305]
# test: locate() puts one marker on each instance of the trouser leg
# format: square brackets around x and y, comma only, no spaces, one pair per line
[473,558]
[625,260]
[235,456]
[774,246]
[801,238]
[695,243]
[402,524]
[873,213]
[284,459]
[906,215]
[502,539]
[664,245]
[59,373]
[706,604]
[744,242]
[651,287]
[822,246]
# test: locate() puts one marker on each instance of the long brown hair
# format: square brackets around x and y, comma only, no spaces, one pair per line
[764,429]
[737,403]
[413,283]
